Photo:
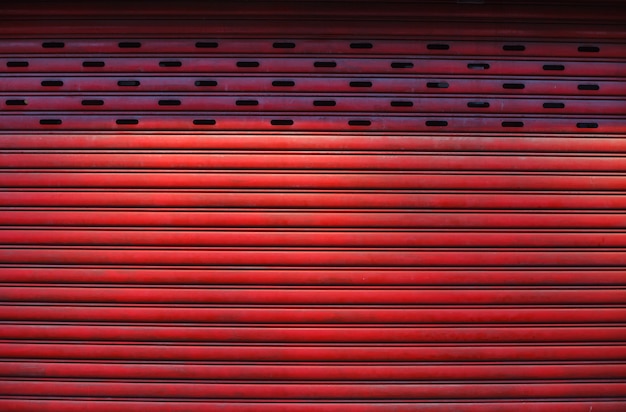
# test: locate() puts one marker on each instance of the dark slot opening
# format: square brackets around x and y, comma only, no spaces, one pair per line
[53,45]
[128,83]
[325,64]
[553,67]
[129,45]
[512,124]
[207,44]
[588,49]
[438,46]
[172,102]
[401,65]
[281,122]
[588,87]
[585,125]
[401,103]
[50,83]
[517,86]
[437,85]
[363,45]
[283,83]
[127,121]
[93,64]
[436,123]
[51,121]
[478,105]
[204,122]
[513,47]
[92,102]
[551,105]
[478,66]
[247,102]
[359,123]
[327,103]
[202,83]
[17,64]
[284,45]
[360,84]
[248,64]
[170,63]
[16,102]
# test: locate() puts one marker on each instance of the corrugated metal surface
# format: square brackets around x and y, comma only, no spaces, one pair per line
[303,206]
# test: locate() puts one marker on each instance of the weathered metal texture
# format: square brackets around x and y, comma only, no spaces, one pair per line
[303,206]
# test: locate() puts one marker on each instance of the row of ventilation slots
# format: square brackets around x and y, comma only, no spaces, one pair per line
[290,122]
[292,45]
[317,64]
[291,83]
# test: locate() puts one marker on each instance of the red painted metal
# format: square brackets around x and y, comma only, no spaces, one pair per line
[298,206]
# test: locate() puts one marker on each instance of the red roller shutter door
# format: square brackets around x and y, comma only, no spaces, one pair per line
[303,206]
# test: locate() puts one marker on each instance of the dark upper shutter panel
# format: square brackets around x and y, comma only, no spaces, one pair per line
[304,206]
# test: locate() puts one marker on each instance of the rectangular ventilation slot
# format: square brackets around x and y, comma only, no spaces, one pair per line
[513,47]
[401,103]
[93,64]
[588,87]
[513,86]
[402,65]
[204,122]
[284,45]
[589,49]
[17,64]
[283,83]
[512,124]
[361,45]
[248,64]
[554,105]
[326,103]
[170,63]
[53,45]
[92,102]
[169,102]
[205,83]
[127,121]
[359,123]
[360,84]
[281,122]
[247,102]
[438,46]
[50,121]
[52,83]
[590,125]
[129,45]
[478,105]
[128,83]
[206,45]
[16,102]
[478,66]
[437,85]
[433,123]
[325,64]
[553,67]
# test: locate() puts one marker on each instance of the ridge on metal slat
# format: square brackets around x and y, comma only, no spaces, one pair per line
[454,334]
[365,104]
[314,83]
[326,142]
[313,391]
[157,179]
[310,238]
[316,372]
[321,296]
[303,161]
[298,276]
